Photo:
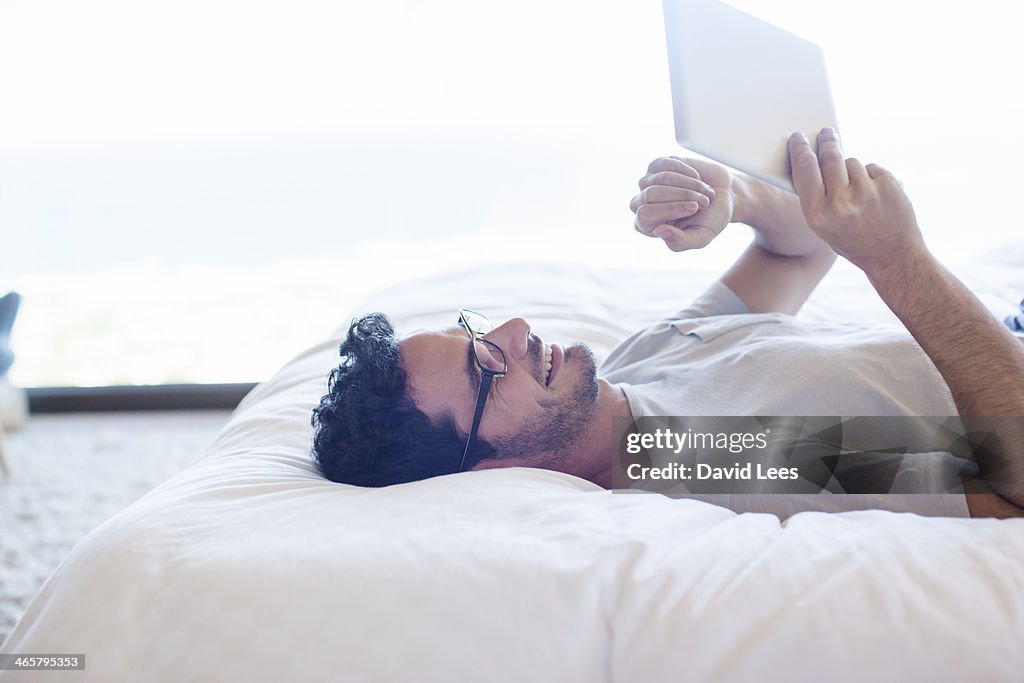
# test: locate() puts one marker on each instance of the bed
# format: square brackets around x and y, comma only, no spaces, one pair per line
[250,566]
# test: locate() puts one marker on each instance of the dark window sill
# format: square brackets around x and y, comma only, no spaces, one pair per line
[143,397]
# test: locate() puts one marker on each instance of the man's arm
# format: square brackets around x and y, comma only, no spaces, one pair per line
[786,261]
[688,202]
[863,213]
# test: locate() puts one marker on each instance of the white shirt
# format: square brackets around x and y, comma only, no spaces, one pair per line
[715,358]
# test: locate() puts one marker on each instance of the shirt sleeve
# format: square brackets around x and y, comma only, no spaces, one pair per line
[638,347]
[717,299]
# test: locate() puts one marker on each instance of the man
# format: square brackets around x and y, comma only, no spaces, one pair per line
[472,397]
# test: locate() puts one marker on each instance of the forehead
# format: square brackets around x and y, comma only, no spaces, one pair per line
[438,363]
[426,342]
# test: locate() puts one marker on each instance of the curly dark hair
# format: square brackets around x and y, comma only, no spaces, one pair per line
[368,431]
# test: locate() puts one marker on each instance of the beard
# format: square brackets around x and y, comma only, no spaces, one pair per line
[549,440]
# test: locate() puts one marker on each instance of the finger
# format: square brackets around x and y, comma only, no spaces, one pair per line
[875,172]
[674,164]
[676,180]
[857,173]
[830,158]
[683,239]
[806,173]
[666,193]
[650,216]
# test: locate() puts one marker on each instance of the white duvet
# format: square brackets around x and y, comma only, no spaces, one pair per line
[250,567]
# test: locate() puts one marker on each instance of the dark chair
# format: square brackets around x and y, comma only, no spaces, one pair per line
[8,309]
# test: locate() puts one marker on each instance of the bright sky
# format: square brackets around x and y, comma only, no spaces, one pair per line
[238,133]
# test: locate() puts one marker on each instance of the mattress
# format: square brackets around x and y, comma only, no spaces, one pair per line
[250,566]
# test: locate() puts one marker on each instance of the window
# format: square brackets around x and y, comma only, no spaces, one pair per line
[193,191]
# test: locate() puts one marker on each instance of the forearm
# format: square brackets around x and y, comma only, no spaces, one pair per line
[775,215]
[768,282]
[982,363]
[786,260]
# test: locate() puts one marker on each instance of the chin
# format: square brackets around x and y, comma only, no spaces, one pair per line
[585,388]
[581,354]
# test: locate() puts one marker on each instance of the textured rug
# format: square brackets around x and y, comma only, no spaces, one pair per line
[72,472]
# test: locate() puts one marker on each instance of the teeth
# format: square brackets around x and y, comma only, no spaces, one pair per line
[547,363]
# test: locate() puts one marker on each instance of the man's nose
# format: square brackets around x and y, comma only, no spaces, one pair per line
[513,336]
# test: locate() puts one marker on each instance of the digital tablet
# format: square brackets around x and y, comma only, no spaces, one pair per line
[741,86]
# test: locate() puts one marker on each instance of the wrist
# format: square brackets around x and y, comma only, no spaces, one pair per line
[895,272]
[776,218]
[897,280]
[763,206]
[741,192]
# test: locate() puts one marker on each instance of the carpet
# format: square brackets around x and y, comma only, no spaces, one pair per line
[72,472]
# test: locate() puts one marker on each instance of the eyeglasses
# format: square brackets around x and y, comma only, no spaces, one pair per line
[490,359]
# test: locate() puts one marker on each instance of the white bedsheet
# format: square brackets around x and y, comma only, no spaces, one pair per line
[249,566]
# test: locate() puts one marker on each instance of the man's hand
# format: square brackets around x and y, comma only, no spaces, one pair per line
[688,202]
[861,212]
[685,202]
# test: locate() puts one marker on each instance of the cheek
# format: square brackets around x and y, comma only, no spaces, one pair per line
[513,405]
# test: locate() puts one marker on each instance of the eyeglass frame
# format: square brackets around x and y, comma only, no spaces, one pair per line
[486,374]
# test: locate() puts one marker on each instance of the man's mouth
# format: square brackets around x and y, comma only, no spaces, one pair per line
[554,358]
[547,364]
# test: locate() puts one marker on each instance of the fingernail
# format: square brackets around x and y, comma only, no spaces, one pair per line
[798,137]
[692,206]
[828,131]
[704,201]
[711,191]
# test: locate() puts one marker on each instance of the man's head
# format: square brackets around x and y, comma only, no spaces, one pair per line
[402,411]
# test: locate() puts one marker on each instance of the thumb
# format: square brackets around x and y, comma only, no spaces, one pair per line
[684,239]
